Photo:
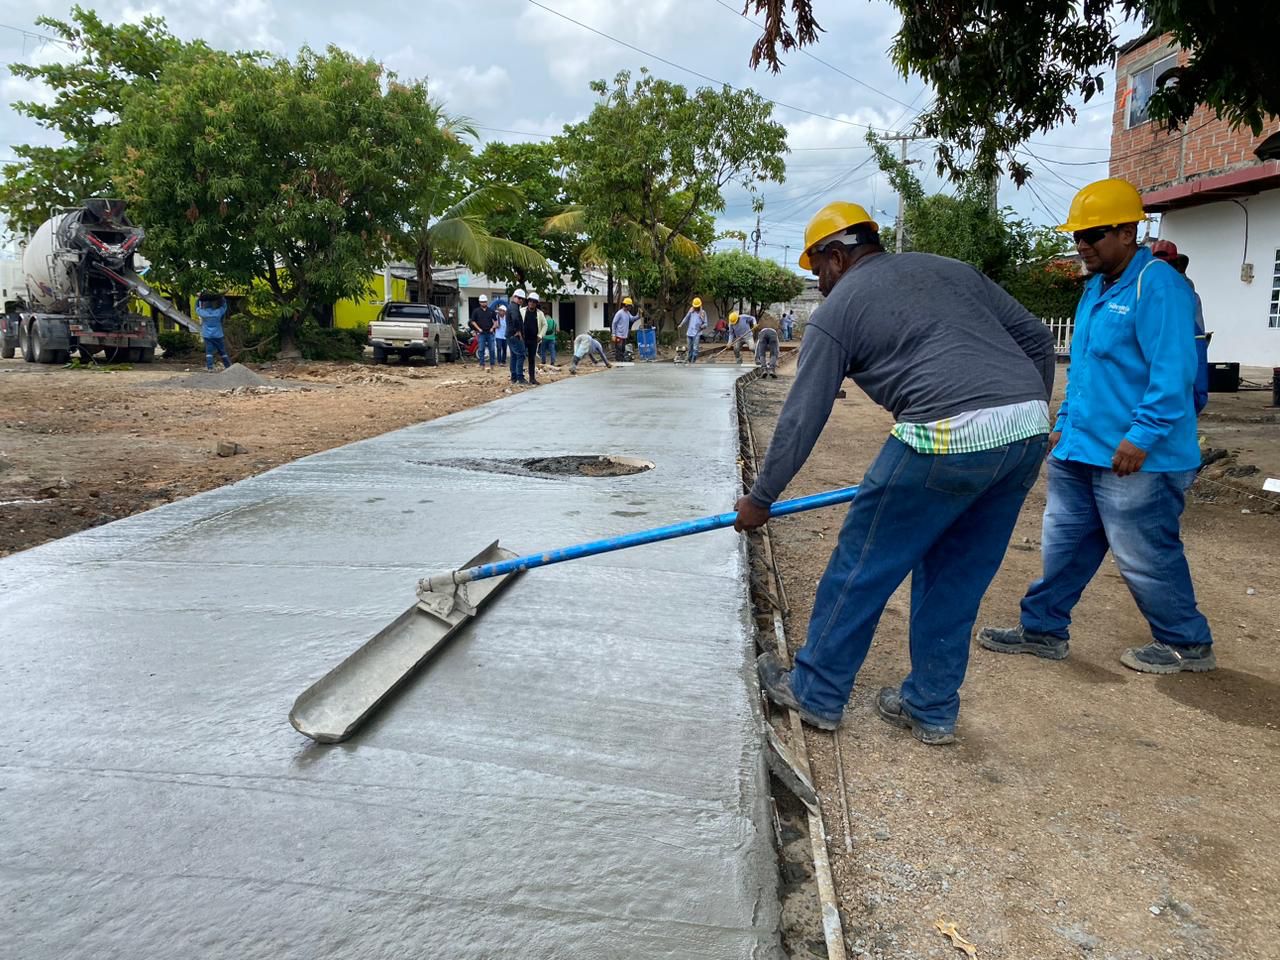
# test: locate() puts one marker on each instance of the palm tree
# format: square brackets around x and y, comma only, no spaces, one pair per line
[458,234]
[573,219]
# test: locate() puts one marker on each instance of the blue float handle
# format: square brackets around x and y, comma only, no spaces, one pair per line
[609,544]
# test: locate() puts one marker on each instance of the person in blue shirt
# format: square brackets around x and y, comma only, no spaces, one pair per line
[1124,448]
[696,321]
[621,328]
[211,308]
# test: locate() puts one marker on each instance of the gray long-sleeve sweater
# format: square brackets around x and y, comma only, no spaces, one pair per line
[924,336]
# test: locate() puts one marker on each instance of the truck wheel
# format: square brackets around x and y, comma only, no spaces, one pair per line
[379,355]
[146,354]
[39,352]
[24,341]
[432,356]
[452,355]
[7,352]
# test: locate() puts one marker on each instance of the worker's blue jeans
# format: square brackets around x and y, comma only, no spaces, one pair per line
[216,345]
[946,520]
[516,351]
[1091,509]
[486,348]
[501,344]
[693,349]
[547,350]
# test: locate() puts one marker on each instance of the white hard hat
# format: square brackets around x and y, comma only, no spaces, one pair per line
[531,295]
[519,292]
[502,308]
[483,298]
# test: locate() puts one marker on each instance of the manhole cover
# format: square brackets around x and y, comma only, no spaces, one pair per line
[597,466]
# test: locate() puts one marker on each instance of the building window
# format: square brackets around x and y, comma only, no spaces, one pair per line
[1274,320]
[1142,84]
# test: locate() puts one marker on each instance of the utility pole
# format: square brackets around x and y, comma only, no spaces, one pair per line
[756,237]
[786,254]
[899,222]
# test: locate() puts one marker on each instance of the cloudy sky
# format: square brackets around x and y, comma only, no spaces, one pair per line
[521,72]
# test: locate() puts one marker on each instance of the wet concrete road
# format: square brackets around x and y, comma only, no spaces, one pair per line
[578,775]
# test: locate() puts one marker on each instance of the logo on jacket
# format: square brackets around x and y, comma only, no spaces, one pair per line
[1117,307]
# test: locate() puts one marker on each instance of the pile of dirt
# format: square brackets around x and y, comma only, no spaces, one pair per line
[236,375]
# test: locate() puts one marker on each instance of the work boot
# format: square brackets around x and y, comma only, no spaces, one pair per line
[1018,640]
[1157,657]
[889,706]
[776,683]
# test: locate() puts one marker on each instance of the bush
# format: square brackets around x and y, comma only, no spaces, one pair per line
[321,343]
[180,344]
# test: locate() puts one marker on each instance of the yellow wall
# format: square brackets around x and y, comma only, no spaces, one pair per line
[349,314]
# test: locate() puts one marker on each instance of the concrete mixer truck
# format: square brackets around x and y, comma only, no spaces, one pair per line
[79,285]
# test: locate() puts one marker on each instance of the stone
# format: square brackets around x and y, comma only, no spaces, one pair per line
[227,448]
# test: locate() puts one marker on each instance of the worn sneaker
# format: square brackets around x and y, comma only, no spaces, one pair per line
[889,706]
[1158,657]
[776,683]
[1018,640]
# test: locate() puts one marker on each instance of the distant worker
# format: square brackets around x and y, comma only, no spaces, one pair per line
[696,321]
[967,373]
[722,330]
[547,344]
[1167,251]
[1124,449]
[788,324]
[515,342]
[211,308]
[482,325]
[533,328]
[621,328]
[515,305]
[740,333]
[585,345]
[766,332]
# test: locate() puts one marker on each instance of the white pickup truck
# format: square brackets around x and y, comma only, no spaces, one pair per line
[413,330]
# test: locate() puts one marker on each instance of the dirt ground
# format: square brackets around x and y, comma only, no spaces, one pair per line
[81,447]
[1087,810]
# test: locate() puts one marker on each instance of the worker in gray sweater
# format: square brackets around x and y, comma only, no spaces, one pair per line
[967,373]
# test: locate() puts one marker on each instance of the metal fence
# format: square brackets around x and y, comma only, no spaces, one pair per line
[1062,328]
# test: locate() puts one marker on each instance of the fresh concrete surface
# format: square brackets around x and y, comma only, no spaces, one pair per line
[578,775]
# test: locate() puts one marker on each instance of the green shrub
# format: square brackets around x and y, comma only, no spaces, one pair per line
[321,343]
[180,344]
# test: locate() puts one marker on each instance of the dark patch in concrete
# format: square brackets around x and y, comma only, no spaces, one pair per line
[627,513]
[586,465]
[1229,695]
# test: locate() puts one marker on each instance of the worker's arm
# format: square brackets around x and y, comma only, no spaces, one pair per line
[823,364]
[1029,332]
[1165,328]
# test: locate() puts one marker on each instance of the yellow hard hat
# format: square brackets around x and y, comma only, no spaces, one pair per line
[733,316]
[1104,203]
[697,301]
[832,218]
[627,302]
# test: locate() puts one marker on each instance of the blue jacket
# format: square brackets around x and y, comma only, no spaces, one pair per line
[211,321]
[1133,366]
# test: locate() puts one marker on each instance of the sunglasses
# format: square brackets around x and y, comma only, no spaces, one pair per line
[1092,235]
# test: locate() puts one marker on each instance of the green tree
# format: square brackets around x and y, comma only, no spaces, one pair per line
[286,179]
[535,169]
[965,226]
[88,94]
[645,144]
[1006,69]
[732,276]
[443,227]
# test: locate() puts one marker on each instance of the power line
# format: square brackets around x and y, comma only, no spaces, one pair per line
[701,76]
[843,73]
[42,37]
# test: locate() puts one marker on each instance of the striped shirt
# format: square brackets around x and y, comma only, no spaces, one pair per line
[977,430]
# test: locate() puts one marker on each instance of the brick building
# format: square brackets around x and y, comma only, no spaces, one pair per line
[1219,202]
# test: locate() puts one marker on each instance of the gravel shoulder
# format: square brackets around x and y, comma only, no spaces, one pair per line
[1087,811]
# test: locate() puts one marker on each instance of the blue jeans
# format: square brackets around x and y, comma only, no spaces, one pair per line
[946,520]
[1091,509]
[216,345]
[547,348]
[516,351]
[486,348]
[693,349]
[501,344]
